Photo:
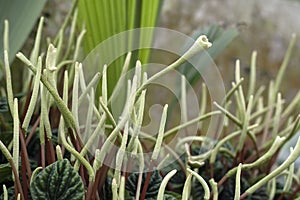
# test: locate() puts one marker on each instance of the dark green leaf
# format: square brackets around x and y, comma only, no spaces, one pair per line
[3,105]
[10,192]
[5,172]
[172,196]
[153,186]
[58,181]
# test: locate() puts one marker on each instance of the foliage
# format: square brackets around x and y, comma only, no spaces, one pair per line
[152,191]
[103,19]
[57,181]
[44,135]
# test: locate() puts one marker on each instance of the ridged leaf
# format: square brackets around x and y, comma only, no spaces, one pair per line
[5,172]
[10,192]
[153,187]
[105,18]
[58,181]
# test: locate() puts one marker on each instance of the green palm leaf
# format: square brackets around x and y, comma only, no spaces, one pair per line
[105,18]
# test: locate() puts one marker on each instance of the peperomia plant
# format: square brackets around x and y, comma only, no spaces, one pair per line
[52,154]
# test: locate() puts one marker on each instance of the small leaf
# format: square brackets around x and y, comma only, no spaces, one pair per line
[58,181]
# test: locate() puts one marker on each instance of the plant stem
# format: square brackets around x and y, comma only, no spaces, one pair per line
[293,156]
[160,195]
[33,129]
[147,180]
[8,156]
[52,90]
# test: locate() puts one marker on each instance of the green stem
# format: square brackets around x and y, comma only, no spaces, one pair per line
[199,45]
[160,195]
[238,183]
[59,102]
[9,157]
[77,155]
[202,182]
[10,95]
[16,135]
[214,188]
[293,156]
[198,119]
[34,96]
[187,187]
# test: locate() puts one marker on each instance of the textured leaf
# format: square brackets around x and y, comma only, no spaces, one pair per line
[107,193]
[177,181]
[11,194]
[172,196]
[167,196]
[153,186]
[58,181]
[5,172]
[3,105]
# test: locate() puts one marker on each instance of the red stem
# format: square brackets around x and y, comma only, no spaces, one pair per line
[24,153]
[146,183]
[89,195]
[43,162]
[96,183]
[17,180]
[32,131]
[50,151]
[243,196]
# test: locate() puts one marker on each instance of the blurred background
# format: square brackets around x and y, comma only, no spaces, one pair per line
[264,26]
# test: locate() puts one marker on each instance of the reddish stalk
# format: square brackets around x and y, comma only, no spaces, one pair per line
[25,164]
[146,183]
[50,151]
[25,183]
[32,131]
[24,153]
[281,196]
[243,196]
[104,169]
[211,172]
[17,179]
[96,183]
[16,191]
[81,172]
[223,179]
[89,192]
[43,160]
[75,141]
[63,149]
[54,114]
[293,195]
